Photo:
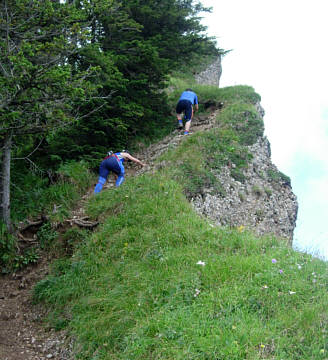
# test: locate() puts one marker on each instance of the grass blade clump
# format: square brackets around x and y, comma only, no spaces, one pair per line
[158,282]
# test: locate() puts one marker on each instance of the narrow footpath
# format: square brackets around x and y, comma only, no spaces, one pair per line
[22,333]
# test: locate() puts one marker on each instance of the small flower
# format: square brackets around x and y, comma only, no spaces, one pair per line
[262,346]
[281,271]
[322,351]
[202,263]
[241,228]
[292,292]
[274,261]
[211,225]
[197,292]
[265,287]
[299,266]
[233,327]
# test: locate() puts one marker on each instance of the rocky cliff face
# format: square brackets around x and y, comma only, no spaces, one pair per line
[264,202]
[211,75]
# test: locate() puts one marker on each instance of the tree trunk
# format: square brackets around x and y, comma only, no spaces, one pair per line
[5,183]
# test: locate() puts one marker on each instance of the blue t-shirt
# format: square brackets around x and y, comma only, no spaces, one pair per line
[120,157]
[189,95]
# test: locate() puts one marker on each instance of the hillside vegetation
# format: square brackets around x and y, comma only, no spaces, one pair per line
[156,281]
[153,280]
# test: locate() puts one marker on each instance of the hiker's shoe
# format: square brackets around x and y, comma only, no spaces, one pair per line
[186,133]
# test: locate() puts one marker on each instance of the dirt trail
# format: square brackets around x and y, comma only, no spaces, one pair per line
[22,334]
[152,152]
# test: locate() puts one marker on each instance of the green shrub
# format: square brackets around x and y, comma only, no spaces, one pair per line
[11,259]
[238,175]
[257,190]
[277,176]
[8,249]
[268,191]
[46,236]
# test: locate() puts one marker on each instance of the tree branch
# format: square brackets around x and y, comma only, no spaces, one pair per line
[31,153]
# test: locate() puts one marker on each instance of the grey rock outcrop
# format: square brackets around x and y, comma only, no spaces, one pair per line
[264,203]
[211,75]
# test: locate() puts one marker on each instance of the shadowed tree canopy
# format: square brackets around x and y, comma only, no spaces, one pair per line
[38,85]
[137,43]
[49,49]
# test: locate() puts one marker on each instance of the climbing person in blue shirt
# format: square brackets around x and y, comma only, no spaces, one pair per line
[114,162]
[186,104]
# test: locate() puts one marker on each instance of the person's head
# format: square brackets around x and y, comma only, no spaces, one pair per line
[125,151]
[188,89]
[110,153]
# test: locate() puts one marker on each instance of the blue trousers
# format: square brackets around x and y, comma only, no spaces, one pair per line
[106,166]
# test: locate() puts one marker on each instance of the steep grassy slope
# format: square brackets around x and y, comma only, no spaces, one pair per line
[156,281]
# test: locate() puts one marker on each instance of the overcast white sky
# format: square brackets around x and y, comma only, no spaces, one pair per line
[280,48]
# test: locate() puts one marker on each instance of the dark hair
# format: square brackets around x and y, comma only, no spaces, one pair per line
[188,89]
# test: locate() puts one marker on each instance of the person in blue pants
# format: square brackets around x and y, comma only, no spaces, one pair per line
[114,163]
[186,104]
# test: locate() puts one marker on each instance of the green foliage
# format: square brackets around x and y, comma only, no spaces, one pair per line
[202,156]
[32,194]
[239,94]
[238,175]
[33,51]
[268,191]
[245,120]
[134,65]
[10,259]
[7,249]
[257,190]
[276,176]
[29,256]
[46,236]
[136,288]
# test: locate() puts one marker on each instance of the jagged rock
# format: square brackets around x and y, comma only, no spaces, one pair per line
[265,202]
[211,75]
[262,203]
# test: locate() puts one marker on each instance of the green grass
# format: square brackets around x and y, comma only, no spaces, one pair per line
[34,191]
[157,281]
[32,196]
[134,290]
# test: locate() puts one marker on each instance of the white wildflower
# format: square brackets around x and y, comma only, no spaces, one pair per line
[201,263]
[197,292]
